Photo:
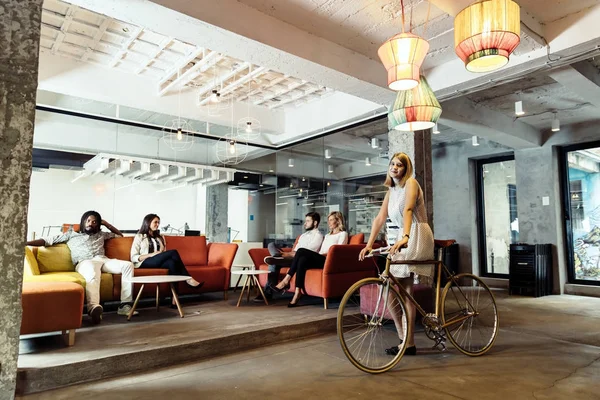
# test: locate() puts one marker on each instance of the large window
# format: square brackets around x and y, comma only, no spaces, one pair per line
[498,217]
[582,209]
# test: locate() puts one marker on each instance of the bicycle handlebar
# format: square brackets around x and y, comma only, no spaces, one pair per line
[380,250]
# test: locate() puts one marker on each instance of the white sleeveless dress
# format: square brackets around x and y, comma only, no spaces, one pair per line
[420,243]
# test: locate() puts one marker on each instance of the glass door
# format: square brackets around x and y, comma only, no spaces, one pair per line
[582,213]
[497,214]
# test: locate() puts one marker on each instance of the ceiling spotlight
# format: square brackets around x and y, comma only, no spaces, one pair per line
[232,146]
[327,153]
[330,169]
[291,163]
[519,108]
[179,134]
[248,127]
[215,97]
[475,141]
[555,124]
[368,162]
[436,130]
[375,143]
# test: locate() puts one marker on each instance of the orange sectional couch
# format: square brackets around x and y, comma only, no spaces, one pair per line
[52,306]
[342,269]
[208,262]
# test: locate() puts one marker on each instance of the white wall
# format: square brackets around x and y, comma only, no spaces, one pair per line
[54,200]
[237,215]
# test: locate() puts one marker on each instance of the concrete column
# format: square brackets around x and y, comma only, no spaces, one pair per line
[216,212]
[537,178]
[19,49]
[418,147]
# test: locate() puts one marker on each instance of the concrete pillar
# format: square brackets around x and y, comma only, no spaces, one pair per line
[418,147]
[19,50]
[538,178]
[216,212]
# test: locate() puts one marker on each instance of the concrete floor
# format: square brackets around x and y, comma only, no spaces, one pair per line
[548,348]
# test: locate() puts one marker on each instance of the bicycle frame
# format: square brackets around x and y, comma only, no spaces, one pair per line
[439,265]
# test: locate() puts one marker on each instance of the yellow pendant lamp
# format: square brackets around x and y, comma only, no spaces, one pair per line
[486,33]
[402,56]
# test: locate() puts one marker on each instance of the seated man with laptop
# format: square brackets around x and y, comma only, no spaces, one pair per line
[311,239]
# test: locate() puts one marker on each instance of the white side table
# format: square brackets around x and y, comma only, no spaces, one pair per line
[242,268]
[251,280]
[156,279]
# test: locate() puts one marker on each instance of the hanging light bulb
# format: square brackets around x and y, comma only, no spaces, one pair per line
[179,134]
[475,141]
[368,162]
[248,127]
[555,124]
[374,143]
[327,153]
[436,130]
[519,108]
[330,169]
[232,146]
[215,96]
[291,163]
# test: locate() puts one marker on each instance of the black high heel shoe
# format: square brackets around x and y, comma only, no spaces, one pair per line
[409,351]
[292,305]
[280,291]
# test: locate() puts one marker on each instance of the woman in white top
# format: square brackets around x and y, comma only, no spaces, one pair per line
[405,205]
[308,259]
[149,250]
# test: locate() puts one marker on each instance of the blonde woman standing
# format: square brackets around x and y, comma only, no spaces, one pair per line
[307,259]
[405,205]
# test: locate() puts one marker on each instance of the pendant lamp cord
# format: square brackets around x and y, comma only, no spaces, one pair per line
[402,5]
[410,25]
[426,19]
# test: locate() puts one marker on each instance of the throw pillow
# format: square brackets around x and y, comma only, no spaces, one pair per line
[55,259]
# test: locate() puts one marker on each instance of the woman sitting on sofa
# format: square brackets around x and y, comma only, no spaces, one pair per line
[149,250]
[308,259]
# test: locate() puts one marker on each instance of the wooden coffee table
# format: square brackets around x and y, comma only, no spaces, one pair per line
[157,279]
[251,280]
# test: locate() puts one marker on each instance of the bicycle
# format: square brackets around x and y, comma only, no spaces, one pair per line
[469,317]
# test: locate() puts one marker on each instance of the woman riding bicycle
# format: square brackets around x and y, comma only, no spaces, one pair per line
[405,206]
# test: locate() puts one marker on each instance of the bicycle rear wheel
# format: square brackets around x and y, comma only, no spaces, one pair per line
[366,328]
[469,309]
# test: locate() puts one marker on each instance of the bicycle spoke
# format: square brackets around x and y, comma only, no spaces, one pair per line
[365,326]
[469,314]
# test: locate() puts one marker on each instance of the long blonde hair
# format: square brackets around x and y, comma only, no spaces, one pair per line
[339,217]
[408,170]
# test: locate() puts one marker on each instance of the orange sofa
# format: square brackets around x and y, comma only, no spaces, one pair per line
[208,262]
[52,306]
[341,270]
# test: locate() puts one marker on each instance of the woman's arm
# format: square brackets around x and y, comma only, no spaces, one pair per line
[134,254]
[163,240]
[377,225]
[412,192]
[343,239]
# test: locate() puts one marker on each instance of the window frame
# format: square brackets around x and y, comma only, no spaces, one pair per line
[480,205]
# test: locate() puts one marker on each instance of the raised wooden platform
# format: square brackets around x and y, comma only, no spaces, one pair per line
[151,340]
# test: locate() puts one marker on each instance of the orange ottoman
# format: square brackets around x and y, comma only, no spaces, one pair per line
[52,306]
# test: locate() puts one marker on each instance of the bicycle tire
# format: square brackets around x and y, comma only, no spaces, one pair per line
[466,295]
[364,329]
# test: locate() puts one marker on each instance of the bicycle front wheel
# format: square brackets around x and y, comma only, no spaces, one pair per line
[469,314]
[372,318]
